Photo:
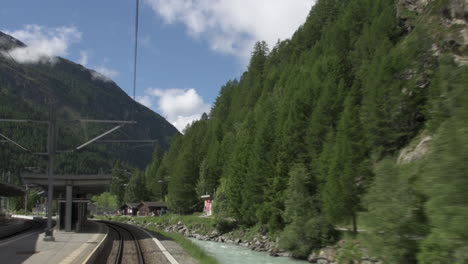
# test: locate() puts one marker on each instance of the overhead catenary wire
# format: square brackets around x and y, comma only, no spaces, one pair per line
[135,57]
[14,142]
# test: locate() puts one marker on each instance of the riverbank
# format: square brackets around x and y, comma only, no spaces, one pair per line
[208,229]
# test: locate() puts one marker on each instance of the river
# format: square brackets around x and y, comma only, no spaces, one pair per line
[227,253]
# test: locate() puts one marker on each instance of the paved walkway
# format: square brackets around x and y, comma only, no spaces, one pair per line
[68,247]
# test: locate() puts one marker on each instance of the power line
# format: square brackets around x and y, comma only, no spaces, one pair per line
[135,56]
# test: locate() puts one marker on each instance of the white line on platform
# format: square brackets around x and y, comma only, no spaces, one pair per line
[30,217]
[98,246]
[163,249]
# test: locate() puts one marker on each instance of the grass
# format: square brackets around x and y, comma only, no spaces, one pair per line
[194,250]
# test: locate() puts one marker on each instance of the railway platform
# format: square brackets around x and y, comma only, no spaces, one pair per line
[68,247]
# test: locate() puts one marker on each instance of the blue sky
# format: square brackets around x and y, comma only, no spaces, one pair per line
[187,48]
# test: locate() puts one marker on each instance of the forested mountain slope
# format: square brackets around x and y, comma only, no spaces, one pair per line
[308,138]
[26,91]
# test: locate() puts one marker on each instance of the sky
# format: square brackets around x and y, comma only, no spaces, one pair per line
[188,49]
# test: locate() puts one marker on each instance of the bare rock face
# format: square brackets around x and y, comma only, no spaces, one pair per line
[408,155]
[412,5]
[459,9]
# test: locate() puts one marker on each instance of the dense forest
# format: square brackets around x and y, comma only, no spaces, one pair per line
[360,120]
[66,91]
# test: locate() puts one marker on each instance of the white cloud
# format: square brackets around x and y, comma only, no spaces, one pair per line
[179,106]
[83,60]
[43,44]
[232,27]
[181,122]
[144,100]
[104,73]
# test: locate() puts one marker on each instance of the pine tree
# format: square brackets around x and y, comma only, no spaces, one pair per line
[185,167]
[211,170]
[348,172]
[446,183]
[119,179]
[153,182]
[392,218]
[306,229]
[136,191]
[241,190]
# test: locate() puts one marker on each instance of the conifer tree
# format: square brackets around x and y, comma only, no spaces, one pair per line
[306,229]
[153,182]
[210,170]
[136,190]
[241,190]
[348,172]
[392,215]
[446,183]
[119,180]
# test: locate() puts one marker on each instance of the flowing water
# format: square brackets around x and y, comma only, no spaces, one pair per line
[227,253]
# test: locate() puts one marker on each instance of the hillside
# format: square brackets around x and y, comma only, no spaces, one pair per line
[308,138]
[26,91]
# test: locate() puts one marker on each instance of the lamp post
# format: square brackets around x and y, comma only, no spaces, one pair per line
[161,188]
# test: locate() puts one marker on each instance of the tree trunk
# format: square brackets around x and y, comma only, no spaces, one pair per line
[354,224]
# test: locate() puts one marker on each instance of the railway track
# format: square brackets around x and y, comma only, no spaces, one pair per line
[29,225]
[127,248]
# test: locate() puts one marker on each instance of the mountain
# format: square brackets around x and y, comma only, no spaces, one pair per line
[307,140]
[26,91]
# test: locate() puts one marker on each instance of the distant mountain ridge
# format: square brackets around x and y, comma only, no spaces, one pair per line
[79,93]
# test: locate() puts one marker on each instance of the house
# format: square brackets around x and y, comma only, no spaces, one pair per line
[130,208]
[208,199]
[152,208]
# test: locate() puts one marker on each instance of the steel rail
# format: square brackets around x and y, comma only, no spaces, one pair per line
[141,259]
[118,258]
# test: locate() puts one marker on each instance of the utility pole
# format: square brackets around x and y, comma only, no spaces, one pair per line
[26,200]
[161,182]
[49,236]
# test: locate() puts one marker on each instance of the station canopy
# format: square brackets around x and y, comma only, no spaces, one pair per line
[10,190]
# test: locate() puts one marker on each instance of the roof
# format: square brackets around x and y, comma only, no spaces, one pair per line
[206,197]
[10,190]
[92,183]
[154,204]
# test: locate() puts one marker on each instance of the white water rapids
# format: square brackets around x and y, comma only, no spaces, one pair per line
[227,253]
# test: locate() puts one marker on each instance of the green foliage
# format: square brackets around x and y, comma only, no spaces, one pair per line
[242,193]
[224,226]
[314,125]
[445,185]
[155,182]
[136,190]
[306,229]
[348,170]
[26,91]
[105,201]
[394,215]
[350,251]
[299,201]
[194,251]
[210,170]
[120,179]
[185,168]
